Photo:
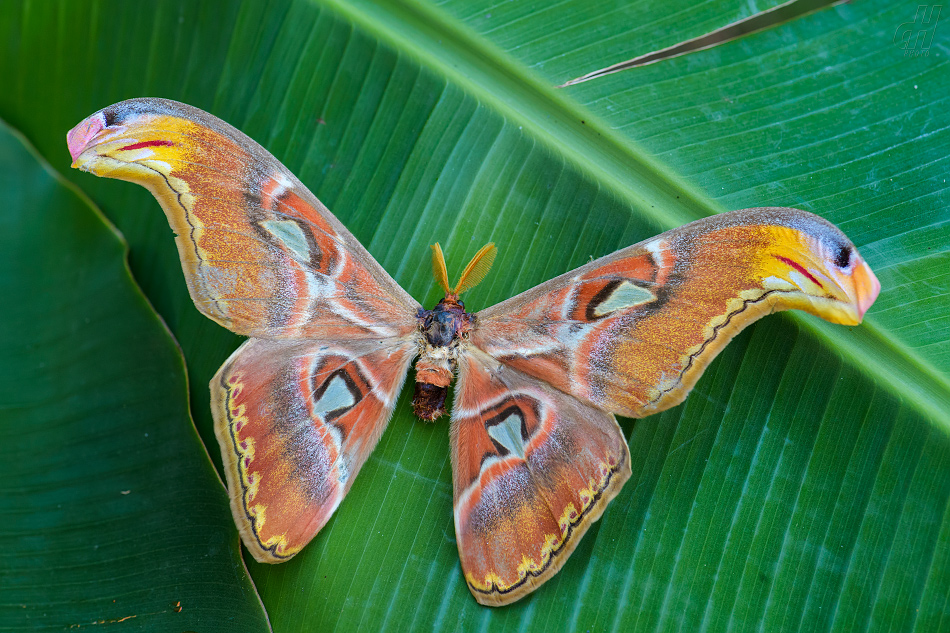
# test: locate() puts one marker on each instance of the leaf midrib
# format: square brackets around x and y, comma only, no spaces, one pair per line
[451,50]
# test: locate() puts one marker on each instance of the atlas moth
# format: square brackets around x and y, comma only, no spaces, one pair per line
[537,454]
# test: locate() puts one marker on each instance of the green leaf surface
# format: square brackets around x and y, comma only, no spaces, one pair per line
[112,512]
[803,485]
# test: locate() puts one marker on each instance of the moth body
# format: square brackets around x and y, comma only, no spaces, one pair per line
[442,330]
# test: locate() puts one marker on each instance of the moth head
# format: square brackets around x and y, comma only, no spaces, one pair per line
[824,271]
[471,276]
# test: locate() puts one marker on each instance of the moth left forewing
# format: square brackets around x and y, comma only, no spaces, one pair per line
[632,332]
[533,468]
[261,254]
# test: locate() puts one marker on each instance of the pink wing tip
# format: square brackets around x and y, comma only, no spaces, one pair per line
[79,137]
[868,287]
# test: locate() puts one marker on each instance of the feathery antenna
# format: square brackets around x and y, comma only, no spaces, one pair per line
[476,269]
[438,267]
[473,274]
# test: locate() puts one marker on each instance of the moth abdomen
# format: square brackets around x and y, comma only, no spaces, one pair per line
[428,401]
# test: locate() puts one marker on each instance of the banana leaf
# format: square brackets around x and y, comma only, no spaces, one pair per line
[803,485]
